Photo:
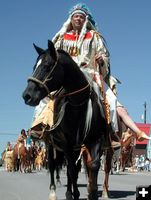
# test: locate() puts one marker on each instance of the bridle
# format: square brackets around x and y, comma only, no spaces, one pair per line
[44,82]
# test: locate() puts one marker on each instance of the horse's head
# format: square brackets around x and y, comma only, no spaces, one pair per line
[43,80]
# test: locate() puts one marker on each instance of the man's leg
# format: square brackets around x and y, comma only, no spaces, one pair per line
[140,135]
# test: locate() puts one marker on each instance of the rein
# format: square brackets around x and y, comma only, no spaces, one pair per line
[72,93]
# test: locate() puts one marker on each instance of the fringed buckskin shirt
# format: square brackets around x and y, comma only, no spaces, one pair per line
[86,50]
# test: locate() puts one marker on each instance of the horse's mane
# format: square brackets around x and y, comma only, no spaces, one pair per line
[63,52]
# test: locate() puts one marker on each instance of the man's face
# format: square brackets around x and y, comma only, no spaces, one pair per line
[77,21]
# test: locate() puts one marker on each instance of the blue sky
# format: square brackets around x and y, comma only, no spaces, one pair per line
[125,24]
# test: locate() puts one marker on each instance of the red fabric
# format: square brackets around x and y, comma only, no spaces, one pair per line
[146,128]
[69,36]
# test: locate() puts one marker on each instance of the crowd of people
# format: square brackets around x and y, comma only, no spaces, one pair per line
[142,163]
[24,139]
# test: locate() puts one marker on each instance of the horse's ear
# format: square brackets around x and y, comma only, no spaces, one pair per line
[52,49]
[38,49]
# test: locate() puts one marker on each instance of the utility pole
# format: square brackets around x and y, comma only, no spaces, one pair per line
[145,106]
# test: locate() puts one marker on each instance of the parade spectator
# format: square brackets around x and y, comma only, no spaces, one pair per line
[28,139]
[8,158]
[146,164]
[8,146]
[149,164]
[39,159]
[141,163]
[136,162]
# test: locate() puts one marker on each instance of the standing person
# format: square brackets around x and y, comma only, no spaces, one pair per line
[8,158]
[79,36]
[9,145]
[136,162]
[28,139]
[146,167]
[39,158]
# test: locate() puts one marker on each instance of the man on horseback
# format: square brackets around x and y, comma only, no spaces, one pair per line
[28,139]
[79,36]
[22,138]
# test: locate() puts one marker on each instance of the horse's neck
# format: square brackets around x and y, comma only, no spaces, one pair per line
[75,84]
[74,77]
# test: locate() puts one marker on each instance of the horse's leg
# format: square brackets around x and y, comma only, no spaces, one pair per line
[117,166]
[69,186]
[39,167]
[33,164]
[51,166]
[92,182]
[112,166]
[93,169]
[58,175]
[72,177]
[59,163]
[122,161]
[109,155]
[18,164]
[22,165]
[15,163]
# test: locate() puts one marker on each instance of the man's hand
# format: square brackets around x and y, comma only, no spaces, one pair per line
[99,60]
[83,64]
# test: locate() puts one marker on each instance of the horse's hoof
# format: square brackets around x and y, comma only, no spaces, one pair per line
[69,195]
[52,195]
[52,188]
[105,195]
[93,196]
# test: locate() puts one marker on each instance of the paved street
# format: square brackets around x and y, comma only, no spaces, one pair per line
[34,186]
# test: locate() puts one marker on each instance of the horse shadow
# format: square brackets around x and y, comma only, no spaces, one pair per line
[118,194]
[113,194]
[118,173]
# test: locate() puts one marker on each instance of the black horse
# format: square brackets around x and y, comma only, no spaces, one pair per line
[79,126]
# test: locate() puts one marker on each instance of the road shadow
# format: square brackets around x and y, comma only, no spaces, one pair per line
[81,185]
[85,185]
[113,194]
[122,195]
[116,194]
[118,174]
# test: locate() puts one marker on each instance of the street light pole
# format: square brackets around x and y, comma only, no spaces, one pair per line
[145,106]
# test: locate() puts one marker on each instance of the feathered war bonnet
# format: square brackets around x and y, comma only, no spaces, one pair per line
[89,23]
